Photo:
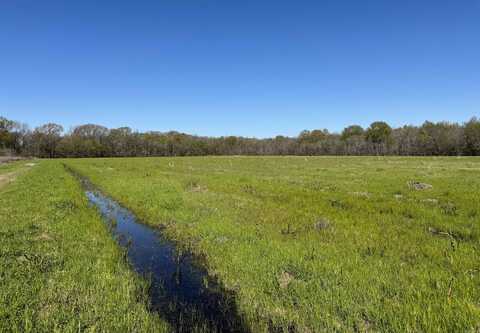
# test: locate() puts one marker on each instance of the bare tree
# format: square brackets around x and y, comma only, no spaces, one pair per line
[472,137]
[46,138]
[92,140]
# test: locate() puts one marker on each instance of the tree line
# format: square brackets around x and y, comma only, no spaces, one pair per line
[90,140]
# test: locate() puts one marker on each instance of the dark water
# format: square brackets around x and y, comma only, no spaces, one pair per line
[181,291]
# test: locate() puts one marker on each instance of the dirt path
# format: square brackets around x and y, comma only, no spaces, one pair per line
[7,178]
[6,159]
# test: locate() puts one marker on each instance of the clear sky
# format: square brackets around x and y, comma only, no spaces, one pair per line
[250,67]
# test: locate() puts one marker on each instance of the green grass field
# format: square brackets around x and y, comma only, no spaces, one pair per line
[307,244]
[60,271]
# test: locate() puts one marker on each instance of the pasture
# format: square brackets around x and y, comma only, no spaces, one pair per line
[304,244]
[60,271]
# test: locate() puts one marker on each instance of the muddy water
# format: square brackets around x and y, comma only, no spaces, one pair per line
[181,291]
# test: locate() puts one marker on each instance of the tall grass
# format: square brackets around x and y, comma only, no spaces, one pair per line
[60,271]
[320,243]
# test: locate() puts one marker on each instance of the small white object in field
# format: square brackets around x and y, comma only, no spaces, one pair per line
[361,194]
[419,186]
[30,164]
[432,201]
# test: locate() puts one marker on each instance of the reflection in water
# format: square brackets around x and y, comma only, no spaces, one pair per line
[181,291]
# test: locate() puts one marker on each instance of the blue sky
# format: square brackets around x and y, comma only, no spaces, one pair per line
[252,68]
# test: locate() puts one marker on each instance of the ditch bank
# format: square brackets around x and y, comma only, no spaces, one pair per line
[181,291]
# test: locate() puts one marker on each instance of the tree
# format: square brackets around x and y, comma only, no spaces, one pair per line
[312,136]
[353,138]
[312,142]
[378,132]
[405,140]
[47,137]
[19,134]
[379,135]
[90,140]
[472,137]
[118,141]
[282,145]
[6,138]
[351,131]
[440,138]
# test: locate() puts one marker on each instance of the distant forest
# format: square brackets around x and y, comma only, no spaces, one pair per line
[50,140]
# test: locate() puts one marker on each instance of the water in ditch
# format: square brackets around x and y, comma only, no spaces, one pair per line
[180,288]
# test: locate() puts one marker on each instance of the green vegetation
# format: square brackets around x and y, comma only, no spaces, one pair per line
[12,166]
[60,271]
[306,243]
[91,140]
[312,244]
[9,171]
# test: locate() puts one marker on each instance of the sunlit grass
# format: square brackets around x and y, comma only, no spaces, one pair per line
[316,243]
[59,268]
[305,243]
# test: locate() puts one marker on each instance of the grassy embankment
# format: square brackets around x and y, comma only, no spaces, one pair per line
[320,243]
[60,270]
